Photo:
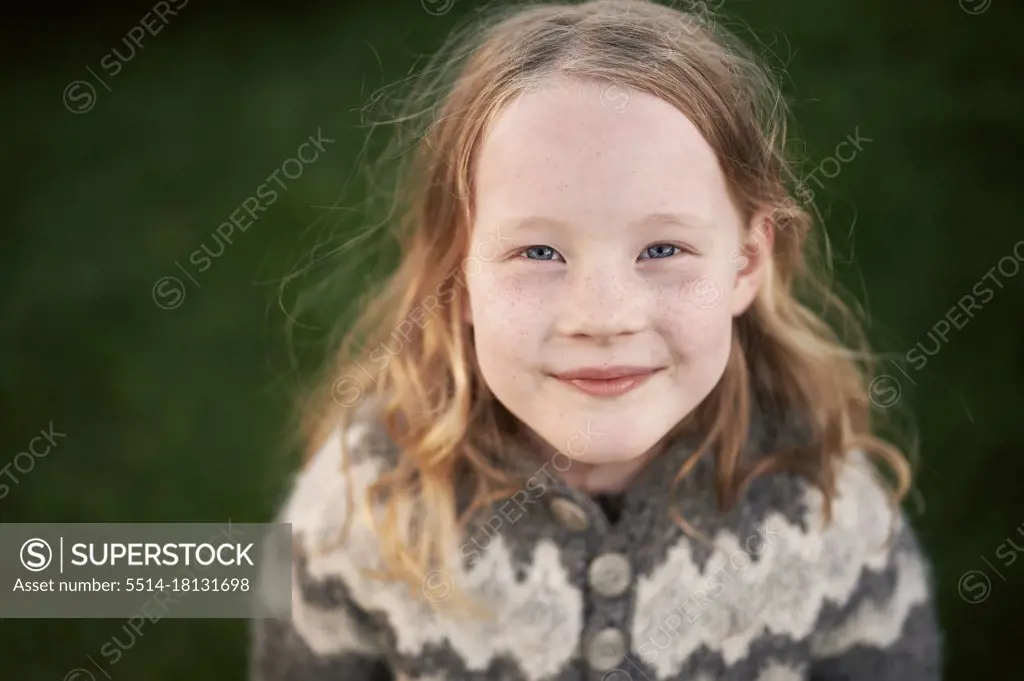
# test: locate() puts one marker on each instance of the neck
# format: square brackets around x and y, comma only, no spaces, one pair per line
[608,478]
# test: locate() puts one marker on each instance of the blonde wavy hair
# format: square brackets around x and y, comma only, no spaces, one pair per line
[437,409]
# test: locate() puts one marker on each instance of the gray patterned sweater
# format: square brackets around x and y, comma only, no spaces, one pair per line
[583,596]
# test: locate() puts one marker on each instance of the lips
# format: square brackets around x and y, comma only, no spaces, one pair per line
[607,381]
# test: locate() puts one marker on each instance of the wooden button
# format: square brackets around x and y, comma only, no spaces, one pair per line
[606,649]
[610,574]
[569,514]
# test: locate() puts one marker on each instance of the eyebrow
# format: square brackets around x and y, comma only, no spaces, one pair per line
[652,219]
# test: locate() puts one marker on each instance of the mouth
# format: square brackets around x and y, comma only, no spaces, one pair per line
[607,382]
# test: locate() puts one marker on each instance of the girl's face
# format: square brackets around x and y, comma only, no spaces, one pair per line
[604,240]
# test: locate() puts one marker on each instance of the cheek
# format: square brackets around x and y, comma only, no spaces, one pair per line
[509,317]
[696,317]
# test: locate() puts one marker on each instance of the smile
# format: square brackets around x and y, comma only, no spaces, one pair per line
[611,382]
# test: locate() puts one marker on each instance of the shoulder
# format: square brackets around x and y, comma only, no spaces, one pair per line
[327,494]
[865,545]
[858,524]
[861,518]
[333,542]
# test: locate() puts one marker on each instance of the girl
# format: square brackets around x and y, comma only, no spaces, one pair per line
[588,430]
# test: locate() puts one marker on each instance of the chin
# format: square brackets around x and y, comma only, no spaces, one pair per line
[610,456]
[605,446]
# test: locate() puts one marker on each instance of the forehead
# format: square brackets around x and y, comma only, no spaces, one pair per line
[573,147]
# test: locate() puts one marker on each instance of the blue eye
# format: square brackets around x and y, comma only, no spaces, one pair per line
[659,251]
[540,253]
[655,252]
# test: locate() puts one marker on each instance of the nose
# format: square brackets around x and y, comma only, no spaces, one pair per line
[603,303]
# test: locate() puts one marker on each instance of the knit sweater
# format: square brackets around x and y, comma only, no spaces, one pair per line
[777,595]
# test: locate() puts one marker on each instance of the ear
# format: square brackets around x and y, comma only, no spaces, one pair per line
[753,260]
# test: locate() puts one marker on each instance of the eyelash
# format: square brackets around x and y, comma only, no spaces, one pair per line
[679,251]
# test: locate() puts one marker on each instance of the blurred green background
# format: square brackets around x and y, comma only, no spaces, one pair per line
[183,414]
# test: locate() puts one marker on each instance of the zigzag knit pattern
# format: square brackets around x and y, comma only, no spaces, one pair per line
[778,594]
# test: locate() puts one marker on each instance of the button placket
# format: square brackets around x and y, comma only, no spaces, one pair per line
[609,575]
